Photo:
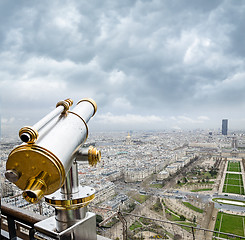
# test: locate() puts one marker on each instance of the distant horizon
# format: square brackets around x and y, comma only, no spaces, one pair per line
[15,133]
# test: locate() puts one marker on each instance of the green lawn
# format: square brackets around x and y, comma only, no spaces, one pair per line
[197,183]
[188,224]
[140,197]
[233,184]
[229,224]
[232,181]
[187,204]
[145,221]
[136,224]
[234,166]
[171,216]
[201,189]
[235,189]
[233,176]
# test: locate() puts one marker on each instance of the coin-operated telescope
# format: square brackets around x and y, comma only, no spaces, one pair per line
[45,164]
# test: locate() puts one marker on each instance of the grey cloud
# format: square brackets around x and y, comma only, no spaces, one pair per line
[147,57]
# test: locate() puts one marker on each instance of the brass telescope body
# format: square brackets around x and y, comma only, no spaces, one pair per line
[40,165]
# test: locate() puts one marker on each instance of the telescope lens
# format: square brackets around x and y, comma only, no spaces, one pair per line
[25,137]
[30,196]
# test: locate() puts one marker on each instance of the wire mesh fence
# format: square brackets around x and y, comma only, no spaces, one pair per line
[125,226]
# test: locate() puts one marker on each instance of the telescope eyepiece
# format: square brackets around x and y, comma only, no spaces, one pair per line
[30,196]
[36,187]
[28,134]
[25,137]
[33,196]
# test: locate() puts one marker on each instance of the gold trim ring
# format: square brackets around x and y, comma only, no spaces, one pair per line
[70,101]
[70,204]
[91,101]
[33,133]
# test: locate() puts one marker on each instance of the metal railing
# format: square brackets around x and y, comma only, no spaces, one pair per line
[19,223]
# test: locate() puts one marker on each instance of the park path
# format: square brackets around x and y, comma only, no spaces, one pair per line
[223,179]
[243,176]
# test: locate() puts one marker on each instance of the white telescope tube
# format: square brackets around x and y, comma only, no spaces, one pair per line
[68,134]
[30,134]
[41,168]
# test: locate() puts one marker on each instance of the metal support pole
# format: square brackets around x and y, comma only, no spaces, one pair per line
[31,234]
[71,220]
[68,217]
[193,233]
[11,227]
[71,184]
[124,223]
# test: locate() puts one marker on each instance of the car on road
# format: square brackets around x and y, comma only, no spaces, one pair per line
[179,197]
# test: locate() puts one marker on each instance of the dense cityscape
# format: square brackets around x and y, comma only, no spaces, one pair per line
[195,178]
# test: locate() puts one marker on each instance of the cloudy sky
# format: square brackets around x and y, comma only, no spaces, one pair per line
[149,64]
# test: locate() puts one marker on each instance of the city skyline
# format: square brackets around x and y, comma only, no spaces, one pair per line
[191,172]
[149,65]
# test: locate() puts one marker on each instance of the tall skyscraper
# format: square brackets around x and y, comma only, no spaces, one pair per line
[224,126]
